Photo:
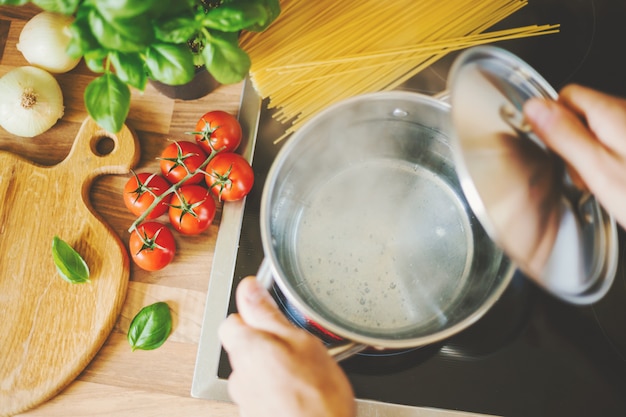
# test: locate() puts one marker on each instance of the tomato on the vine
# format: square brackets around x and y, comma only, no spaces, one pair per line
[152,246]
[192,209]
[229,176]
[218,130]
[181,158]
[140,192]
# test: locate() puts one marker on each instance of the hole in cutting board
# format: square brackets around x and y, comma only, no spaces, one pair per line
[103,145]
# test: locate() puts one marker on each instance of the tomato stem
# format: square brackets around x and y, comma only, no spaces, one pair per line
[171,190]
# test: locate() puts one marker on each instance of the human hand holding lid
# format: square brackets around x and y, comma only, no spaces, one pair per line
[525,196]
[588,130]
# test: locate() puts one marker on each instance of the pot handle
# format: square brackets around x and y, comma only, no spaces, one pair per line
[338,352]
[264,274]
[345,350]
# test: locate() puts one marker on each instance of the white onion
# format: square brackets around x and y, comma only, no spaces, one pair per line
[31,101]
[43,42]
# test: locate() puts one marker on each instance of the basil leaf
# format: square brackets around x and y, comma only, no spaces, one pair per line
[176,29]
[107,100]
[129,68]
[272,8]
[82,40]
[96,59]
[234,17]
[58,6]
[125,35]
[70,265]
[170,64]
[224,59]
[151,327]
[125,8]
[14,2]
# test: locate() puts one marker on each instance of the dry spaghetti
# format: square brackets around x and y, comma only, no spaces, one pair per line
[320,52]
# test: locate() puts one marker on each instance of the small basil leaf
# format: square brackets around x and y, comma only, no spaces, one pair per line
[107,100]
[272,8]
[125,35]
[235,16]
[170,64]
[176,29]
[58,6]
[125,8]
[151,327]
[129,68]
[14,2]
[70,265]
[82,40]
[224,59]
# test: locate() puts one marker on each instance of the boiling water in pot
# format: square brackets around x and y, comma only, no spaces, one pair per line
[382,257]
[382,242]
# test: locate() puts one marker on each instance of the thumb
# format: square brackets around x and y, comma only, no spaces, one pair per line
[259,310]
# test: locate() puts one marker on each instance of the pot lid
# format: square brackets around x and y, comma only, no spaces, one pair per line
[521,192]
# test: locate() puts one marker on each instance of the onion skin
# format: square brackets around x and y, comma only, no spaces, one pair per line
[31,101]
[43,42]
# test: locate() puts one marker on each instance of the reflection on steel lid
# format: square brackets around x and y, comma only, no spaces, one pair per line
[521,192]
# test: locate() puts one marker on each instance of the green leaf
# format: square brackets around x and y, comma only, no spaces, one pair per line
[107,100]
[176,29]
[58,6]
[224,59]
[233,17]
[125,35]
[125,8]
[82,40]
[170,64]
[151,327]
[14,2]
[70,265]
[96,59]
[129,68]
[272,8]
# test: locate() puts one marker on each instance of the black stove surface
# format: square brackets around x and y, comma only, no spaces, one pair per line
[530,355]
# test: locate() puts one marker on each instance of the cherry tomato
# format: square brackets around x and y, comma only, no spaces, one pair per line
[140,192]
[181,158]
[218,130]
[229,176]
[192,209]
[152,246]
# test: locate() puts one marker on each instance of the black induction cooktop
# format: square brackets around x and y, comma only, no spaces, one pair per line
[531,354]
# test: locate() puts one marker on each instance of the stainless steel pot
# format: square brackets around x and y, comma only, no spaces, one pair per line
[366,229]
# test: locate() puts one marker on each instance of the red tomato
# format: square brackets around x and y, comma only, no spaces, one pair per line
[152,246]
[218,130]
[181,158]
[229,176]
[192,209]
[140,192]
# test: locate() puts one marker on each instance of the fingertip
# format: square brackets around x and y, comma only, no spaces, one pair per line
[251,292]
[538,112]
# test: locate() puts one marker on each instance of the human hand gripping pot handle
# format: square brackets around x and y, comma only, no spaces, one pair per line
[587,129]
[278,369]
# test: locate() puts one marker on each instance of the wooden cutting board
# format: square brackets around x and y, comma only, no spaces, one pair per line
[51,329]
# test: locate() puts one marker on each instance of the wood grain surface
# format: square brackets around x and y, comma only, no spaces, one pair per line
[55,328]
[118,382]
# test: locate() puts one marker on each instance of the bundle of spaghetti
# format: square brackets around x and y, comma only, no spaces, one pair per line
[320,52]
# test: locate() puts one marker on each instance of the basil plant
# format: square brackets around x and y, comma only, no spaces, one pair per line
[130,41]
